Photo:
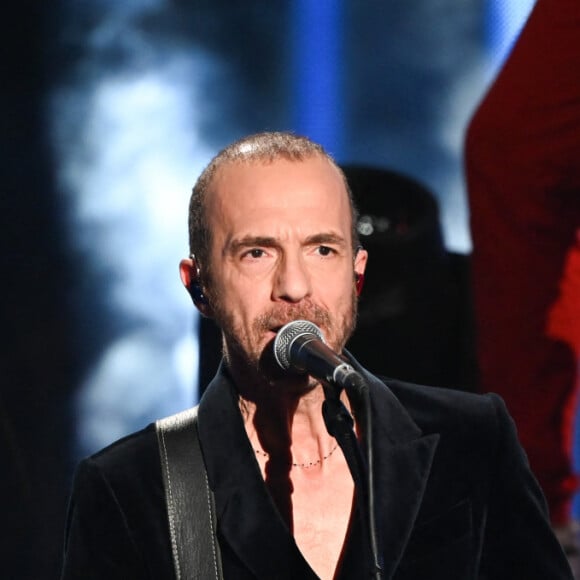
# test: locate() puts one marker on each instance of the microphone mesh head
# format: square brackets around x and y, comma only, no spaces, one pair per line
[286,336]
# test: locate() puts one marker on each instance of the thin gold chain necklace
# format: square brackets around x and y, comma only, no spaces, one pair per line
[305,465]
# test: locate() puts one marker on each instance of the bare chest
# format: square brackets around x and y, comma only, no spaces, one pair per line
[321,509]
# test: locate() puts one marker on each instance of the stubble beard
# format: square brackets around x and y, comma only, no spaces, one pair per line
[253,363]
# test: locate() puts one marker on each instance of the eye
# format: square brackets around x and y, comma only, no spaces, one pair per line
[254,253]
[325,251]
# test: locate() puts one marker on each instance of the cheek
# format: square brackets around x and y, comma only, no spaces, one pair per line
[244,301]
[337,289]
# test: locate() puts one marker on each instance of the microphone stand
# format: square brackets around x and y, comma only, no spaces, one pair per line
[340,424]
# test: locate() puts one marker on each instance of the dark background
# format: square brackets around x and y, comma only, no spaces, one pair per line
[38,364]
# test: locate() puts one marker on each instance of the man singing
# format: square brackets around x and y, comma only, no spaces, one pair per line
[273,240]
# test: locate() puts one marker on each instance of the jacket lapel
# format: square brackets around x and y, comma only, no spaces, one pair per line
[403,458]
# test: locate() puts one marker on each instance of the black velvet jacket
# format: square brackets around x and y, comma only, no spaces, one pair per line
[455,498]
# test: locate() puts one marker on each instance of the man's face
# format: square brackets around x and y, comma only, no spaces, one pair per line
[281,251]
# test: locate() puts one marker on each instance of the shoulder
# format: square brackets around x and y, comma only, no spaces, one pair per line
[441,405]
[121,483]
[477,439]
[117,523]
[123,464]
[469,419]
[135,449]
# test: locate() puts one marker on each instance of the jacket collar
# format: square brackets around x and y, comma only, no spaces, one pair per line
[248,519]
[403,459]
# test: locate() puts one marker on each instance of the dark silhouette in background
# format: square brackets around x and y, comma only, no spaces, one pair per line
[415,313]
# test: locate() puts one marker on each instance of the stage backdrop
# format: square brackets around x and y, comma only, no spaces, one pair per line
[110,111]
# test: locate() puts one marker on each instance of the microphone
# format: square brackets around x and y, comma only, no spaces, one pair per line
[299,347]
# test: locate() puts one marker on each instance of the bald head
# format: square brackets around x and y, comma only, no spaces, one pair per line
[263,148]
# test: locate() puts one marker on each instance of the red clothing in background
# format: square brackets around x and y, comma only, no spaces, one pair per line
[523,173]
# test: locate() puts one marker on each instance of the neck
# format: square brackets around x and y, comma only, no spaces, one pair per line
[282,412]
[290,427]
[291,442]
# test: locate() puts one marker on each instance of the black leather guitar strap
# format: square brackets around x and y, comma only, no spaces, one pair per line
[190,501]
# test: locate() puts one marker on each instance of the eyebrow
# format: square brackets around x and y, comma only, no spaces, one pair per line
[251,242]
[271,242]
[325,238]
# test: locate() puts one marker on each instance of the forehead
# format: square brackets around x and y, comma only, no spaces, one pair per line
[312,190]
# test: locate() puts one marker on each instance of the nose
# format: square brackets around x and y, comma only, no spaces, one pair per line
[292,280]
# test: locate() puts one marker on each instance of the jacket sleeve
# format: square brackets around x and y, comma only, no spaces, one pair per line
[98,541]
[518,541]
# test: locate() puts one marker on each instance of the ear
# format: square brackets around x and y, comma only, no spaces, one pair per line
[360,264]
[360,261]
[189,274]
[187,271]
